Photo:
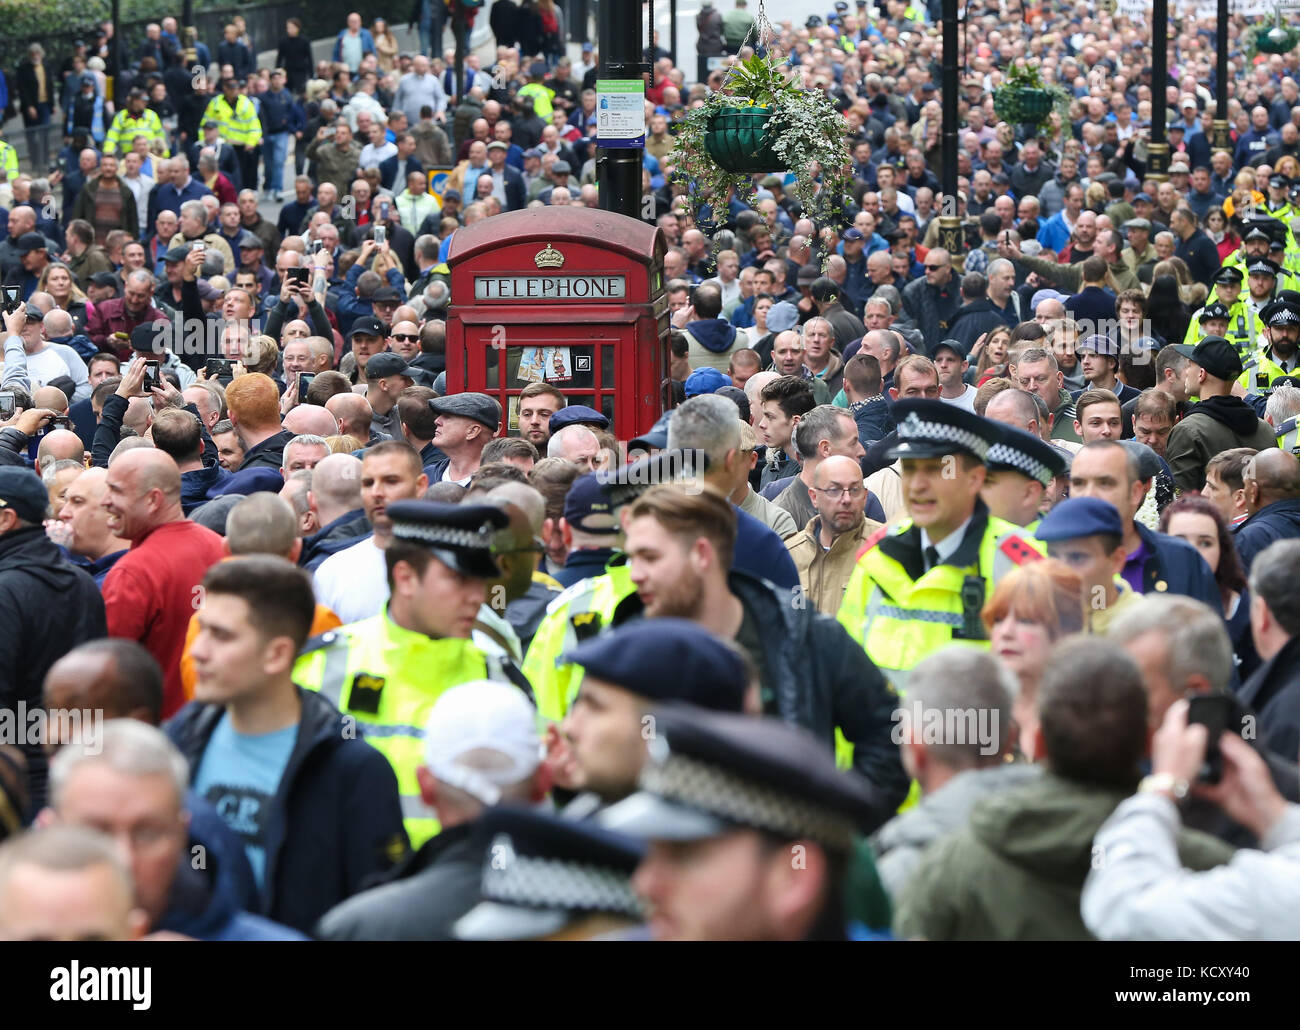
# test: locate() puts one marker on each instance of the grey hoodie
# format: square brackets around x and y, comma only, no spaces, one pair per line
[899,843]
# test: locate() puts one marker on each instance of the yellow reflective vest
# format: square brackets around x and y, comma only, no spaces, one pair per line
[127,127]
[901,614]
[1288,436]
[240,127]
[8,161]
[542,99]
[579,613]
[387,679]
[1261,370]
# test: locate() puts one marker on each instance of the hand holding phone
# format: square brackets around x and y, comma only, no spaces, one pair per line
[1219,714]
[152,375]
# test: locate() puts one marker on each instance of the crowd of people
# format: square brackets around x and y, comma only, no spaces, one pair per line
[943,573]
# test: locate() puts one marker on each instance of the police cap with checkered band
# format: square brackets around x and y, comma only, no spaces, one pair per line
[1025,453]
[458,535]
[932,429]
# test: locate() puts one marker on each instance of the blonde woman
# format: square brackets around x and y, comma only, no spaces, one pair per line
[59,283]
[385,45]
[262,356]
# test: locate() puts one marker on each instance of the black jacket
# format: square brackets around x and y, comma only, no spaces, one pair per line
[47,607]
[335,820]
[268,454]
[816,676]
[1277,521]
[932,309]
[343,532]
[1273,692]
[418,900]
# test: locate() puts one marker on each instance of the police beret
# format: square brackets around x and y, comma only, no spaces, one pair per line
[478,406]
[540,871]
[709,772]
[932,429]
[1025,453]
[577,415]
[1078,517]
[23,491]
[667,660]
[458,535]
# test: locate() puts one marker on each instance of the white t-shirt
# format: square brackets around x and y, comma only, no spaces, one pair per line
[45,365]
[353,583]
[966,400]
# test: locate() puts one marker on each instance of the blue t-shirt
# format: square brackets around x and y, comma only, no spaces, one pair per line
[238,776]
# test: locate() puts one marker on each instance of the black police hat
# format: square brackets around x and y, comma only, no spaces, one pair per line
[1263,266]
[1216,310]
[1229,274]
[541,872]
[1025,453]
[931,429]
[1279,313]
[458,535]
[709,772]
[667,660]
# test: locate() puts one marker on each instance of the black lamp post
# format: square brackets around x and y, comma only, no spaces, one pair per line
[1221,140]
[950,230]
[1158,147]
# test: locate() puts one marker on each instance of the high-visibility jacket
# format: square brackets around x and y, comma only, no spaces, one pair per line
[8,161]
[1245,328]
[901,614]
[240,127]
[578,614]
[127,127]
[1261,370]
[542,97]
[1288,436]
[388,678]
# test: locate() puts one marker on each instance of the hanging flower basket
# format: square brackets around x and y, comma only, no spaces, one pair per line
[1024,99]
[1035,103]
[739,141]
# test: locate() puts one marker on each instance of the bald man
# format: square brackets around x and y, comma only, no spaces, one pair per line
[311,420]
[89,539]
[60,445]
[354,414]
[151,592]
[1272,483]
[117,678]
[335,498]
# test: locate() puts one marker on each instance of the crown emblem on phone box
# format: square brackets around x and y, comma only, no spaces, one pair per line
[549,257]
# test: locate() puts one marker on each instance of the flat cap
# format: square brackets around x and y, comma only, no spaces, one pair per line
[177,254]
[561,168]
[1137,223]
[577,415]
[1078,517]
[667,660]
[458,535]
[478,406]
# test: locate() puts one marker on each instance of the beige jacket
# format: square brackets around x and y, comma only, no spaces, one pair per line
[823,574]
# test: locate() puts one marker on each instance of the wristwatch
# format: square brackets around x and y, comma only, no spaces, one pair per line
[1165,783]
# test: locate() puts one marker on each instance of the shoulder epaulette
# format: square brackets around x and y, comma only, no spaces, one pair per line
[872,540]
[321,641]
[1018,550]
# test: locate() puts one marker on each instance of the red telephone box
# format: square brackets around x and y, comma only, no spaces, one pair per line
[570,296]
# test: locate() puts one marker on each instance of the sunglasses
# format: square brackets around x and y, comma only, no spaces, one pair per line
[405,337]
[934,268]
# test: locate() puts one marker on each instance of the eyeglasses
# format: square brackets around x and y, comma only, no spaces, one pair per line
[405,337]
[836,492]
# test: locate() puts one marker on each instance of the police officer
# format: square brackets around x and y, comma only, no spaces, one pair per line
[1279,203]
[586,608]
[748,802]
[1227,292]
[387,671]
[547,878]
[1279,358]
[1021,468]
[922,584]
[136,119]
[239,125]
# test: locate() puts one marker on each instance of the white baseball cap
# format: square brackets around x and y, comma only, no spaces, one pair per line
[497,723]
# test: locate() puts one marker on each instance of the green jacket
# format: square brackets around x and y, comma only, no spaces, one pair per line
[1016,872]
[1070,277]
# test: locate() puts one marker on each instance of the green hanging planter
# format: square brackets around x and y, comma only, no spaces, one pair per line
[738,140]
[1035,103]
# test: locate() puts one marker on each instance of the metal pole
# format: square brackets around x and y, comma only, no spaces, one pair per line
[1222,140]
[618,169]
[458,33]
[950,231]
[1158,148]
[116,51]
[672,30]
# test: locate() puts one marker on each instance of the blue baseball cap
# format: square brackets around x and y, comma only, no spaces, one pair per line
[706,380]
[587,506]
[1079,517]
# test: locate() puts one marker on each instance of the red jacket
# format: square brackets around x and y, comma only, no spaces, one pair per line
[111,317]
[151,593]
